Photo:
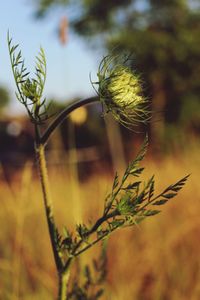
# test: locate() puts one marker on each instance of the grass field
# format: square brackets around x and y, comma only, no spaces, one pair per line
[158,260]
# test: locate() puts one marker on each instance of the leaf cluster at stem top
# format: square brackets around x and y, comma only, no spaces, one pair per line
[30,90]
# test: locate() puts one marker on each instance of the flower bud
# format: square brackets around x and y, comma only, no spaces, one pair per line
[121,93]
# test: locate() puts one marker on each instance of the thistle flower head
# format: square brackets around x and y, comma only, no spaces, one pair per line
[120,92]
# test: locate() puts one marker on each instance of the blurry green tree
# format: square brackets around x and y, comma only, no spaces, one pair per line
[164,37]
[4,98]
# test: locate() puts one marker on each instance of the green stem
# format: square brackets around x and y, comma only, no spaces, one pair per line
[40,156]
[103,236]
[60,118]
[63,283]
[102,220]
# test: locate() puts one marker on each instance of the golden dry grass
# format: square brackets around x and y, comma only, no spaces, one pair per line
[158,261]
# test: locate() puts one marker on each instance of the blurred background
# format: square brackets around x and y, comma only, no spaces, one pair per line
[160,260]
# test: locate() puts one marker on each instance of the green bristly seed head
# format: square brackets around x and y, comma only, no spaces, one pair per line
[120,92]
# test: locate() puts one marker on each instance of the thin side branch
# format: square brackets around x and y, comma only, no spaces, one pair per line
[61,117]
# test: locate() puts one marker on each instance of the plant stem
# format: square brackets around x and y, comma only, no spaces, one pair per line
[95,241]
[41,140]
[63,281]
[60,118]
[40,156]
[101,220]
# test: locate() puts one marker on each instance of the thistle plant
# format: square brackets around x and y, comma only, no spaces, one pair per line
[129,201]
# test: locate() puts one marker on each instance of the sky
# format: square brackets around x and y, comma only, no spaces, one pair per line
[68,67]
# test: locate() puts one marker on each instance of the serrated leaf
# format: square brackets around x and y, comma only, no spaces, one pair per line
[82,230]
[132,186]
[38,69]
[150,213]
[66,232]
[115,182]
[132,167]
[13,48]
[160,202]
[138,219]
[142,151]
[169,195]
[136,172]
[179,185]
[25,74]
[151,189]
[117,223]
[17,60]
[141,197]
